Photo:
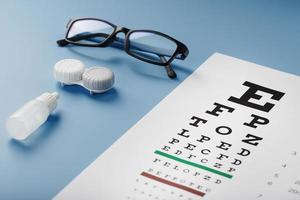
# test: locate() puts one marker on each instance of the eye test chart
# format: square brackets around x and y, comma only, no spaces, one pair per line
[229,131]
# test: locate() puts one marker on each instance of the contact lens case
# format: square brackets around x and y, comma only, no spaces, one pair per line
[73,72]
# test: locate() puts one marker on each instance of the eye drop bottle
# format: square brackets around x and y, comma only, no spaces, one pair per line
[31,116]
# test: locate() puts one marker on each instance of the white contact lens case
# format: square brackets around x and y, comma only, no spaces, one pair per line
[94,79]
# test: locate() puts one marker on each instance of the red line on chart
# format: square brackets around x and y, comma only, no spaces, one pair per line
[170,183]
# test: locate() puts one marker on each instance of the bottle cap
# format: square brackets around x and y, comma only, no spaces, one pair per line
[98,79]
[50,99]
[68,71]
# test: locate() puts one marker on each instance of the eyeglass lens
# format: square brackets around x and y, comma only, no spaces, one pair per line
[89,31]
[151,46]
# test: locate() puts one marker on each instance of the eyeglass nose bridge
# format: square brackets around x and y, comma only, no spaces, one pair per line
[114,35]
[121,29]
[118,30]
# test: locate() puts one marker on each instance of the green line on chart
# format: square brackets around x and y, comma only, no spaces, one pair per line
[193,164]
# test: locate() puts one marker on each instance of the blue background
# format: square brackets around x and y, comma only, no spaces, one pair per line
[83,126]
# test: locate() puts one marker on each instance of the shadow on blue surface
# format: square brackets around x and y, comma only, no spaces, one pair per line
[135,66]
[39,137]
[109,96]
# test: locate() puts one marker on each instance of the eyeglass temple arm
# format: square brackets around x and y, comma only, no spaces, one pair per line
[170,71]
[119,43]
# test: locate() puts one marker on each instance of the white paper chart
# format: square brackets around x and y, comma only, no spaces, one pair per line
[229,131]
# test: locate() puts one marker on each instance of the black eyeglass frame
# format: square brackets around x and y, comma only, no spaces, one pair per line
[181,51]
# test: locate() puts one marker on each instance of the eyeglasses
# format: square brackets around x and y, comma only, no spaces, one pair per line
[146,45]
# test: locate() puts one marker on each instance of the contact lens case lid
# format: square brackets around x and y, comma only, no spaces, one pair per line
[68,71]
[98,79]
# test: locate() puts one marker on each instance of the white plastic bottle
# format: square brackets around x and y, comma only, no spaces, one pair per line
[31,116]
